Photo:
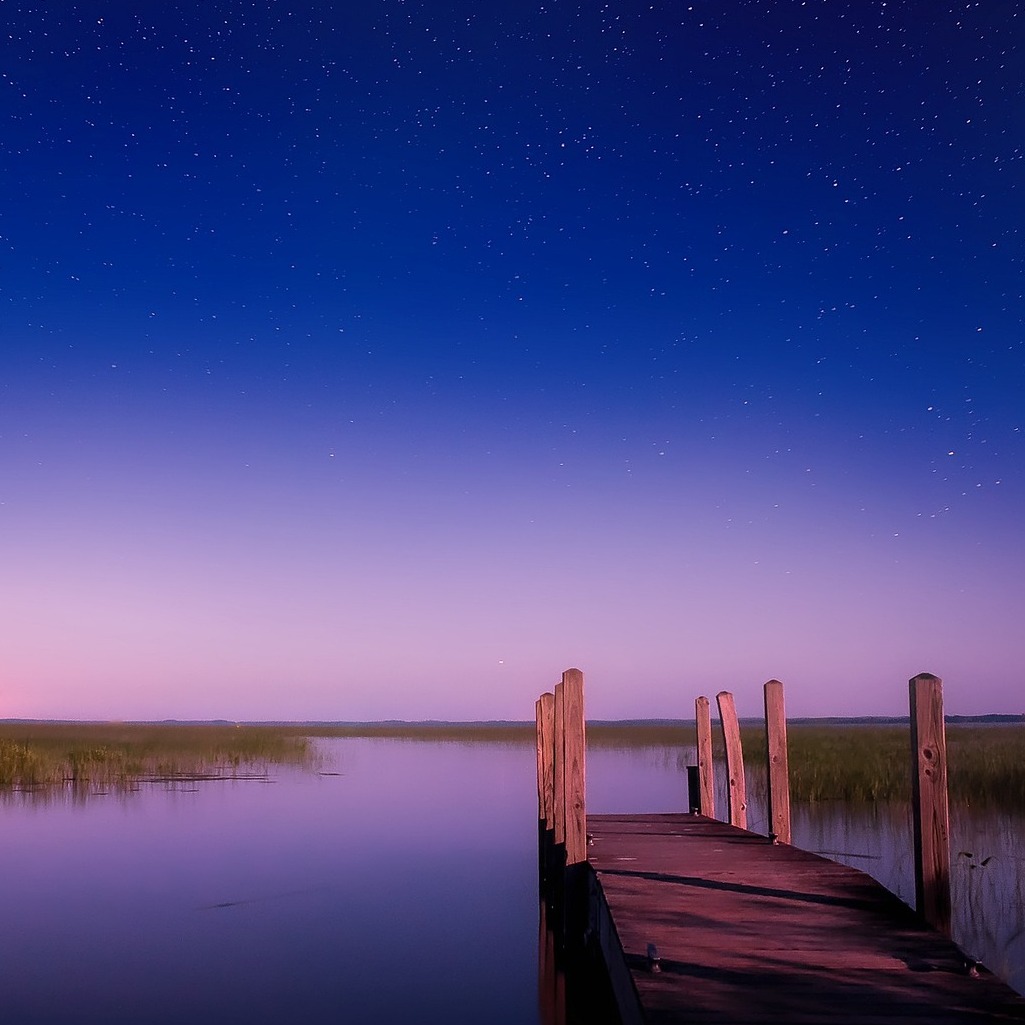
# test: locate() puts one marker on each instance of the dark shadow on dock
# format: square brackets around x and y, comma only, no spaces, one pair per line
[745,888]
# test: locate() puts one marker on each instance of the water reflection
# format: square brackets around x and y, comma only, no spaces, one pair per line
[402,889]
[986,873]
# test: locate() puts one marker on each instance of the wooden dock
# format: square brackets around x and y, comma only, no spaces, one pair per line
[693,920]
[742,930]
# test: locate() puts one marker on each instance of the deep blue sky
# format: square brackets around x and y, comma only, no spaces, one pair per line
[386,361]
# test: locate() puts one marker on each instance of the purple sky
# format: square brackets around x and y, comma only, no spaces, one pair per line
[384,363]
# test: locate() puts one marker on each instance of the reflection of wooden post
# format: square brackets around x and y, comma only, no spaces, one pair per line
[736,787]
[573,724]
[559,766]
[779,773]
[706,772]
[551,986]
[929,810]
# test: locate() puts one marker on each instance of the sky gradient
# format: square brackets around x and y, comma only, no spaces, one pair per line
[383,362]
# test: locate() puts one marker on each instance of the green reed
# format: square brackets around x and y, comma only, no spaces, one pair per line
[121,755]
[854,763]
[828,762]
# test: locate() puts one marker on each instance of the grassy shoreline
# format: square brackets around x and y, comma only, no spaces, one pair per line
[828,762]
[119,756]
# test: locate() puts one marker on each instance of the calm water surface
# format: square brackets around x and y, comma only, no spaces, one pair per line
[403,888]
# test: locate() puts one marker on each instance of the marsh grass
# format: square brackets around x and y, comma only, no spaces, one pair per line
[120,756]
[851,763]
[854,763]
[847,762]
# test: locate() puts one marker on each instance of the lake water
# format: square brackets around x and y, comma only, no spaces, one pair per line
[402,888]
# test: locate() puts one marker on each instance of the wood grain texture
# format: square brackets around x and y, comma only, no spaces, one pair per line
[736,784]
[706,768]
[751,932]
[929,809]
[559,766]
[573,721]
[545,758]
[778,766]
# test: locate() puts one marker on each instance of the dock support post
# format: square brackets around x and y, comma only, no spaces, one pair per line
[736,788]
[779,773]
[573,759]
[929,806]
[706,771]
[575,910]
[561,796]
[559,766]
[545,715]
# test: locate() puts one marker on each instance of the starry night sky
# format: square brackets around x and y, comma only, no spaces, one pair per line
[385,359]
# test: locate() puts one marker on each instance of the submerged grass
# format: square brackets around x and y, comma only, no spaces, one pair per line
[119,756]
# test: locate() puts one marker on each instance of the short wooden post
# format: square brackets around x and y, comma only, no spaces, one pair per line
[559,767]
[574,785]
[736,788]
[693,790]
[929,808]
[779,773]
[706,770]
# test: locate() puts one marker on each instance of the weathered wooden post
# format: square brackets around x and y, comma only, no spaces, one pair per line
[736,785]
[779,773]
[929,807]
[545,716]
[559,767]
[706,770]
[574,774]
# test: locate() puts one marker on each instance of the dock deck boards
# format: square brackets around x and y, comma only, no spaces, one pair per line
[750,932]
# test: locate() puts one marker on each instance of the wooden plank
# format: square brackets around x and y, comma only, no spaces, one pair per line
[750,932]
[929,809]
[706,768]
[574,778]
[559,766]
[778,768]
[736,785]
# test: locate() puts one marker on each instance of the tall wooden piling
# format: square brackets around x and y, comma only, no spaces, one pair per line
[779,773]
[929,807]
[736,785]
[545,716]
[574,798]
[559,766]
[546,759]
[706,771]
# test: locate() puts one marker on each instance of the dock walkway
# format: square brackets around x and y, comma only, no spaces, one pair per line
[694,920]
[746,931]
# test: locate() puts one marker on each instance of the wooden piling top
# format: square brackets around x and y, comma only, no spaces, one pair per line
[746,931]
